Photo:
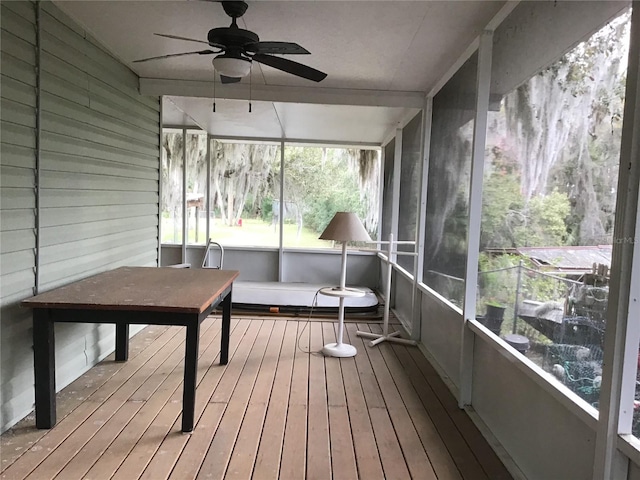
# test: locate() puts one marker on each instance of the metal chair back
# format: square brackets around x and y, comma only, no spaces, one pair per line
[213,250]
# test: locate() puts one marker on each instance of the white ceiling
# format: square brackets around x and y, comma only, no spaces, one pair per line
[381,58]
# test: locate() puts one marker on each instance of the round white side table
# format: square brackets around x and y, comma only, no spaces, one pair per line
[340,349]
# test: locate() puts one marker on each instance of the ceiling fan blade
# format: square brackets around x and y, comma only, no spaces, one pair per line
[199,52]
[225,79]
[176,37]
[276,47]
[290,66]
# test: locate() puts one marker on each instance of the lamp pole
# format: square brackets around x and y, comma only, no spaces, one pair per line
[343,272]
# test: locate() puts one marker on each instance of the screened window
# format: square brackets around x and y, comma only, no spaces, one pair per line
[387,192]
[172,171]
[196,171]
[410,173]
[244,206]
[245,187]
[320,181]
[448,183]
[551,171]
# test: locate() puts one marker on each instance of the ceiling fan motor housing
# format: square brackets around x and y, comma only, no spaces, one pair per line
[229,37]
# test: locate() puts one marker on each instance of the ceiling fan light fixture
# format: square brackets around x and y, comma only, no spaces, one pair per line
[235,67]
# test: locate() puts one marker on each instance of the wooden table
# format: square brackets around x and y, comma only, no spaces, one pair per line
[124,296]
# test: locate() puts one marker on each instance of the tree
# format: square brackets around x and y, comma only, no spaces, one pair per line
[245,180]
[546,221]
[240,172]
[564,127]
[320,182]
[502,203]
[172,159]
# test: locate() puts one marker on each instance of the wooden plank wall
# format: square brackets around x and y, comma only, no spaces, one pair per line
[99,184]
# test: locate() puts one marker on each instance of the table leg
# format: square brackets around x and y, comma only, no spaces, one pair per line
[226,327]
[122,342]
[44,363]
[190,374]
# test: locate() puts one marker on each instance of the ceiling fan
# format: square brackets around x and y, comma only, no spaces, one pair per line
[237,48]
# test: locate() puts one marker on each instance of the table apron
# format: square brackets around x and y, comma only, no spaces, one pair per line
[59,315]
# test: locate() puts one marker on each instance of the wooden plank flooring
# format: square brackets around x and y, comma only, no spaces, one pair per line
[278,410]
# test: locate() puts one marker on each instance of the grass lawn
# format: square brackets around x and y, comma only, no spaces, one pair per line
[253,232]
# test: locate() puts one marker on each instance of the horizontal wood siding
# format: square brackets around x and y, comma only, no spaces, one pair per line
[98,178]
[99,174]
[17,204]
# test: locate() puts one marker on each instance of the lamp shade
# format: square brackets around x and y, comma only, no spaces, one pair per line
[232,66]
[345,227]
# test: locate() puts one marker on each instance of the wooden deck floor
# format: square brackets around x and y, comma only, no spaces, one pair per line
[273,412]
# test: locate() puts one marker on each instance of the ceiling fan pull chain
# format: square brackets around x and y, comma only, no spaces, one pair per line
[250,78]
[214,92]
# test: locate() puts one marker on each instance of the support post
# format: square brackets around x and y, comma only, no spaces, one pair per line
[483,85]
[185,220]
[622,333]
[515,305]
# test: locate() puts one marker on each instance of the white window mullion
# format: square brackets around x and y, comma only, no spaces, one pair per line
[424,182]
[622,331]
[483,86]
[395,194]
[632,340]
[383,160]
[281,217]
[421,222]
[207,203]
[184,195]
[629,371]
[161,185]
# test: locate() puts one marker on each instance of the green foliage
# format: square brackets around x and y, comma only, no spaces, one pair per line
[498,279]
[563,128]
[454,243]
[508,223]
[320,212]
[501,206]
[506,279]
[542,288]
[547,217]
[266,211]
[321,182]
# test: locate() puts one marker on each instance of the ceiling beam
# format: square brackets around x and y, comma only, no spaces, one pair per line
[271,93]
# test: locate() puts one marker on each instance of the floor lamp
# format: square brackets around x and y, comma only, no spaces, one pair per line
[344,227]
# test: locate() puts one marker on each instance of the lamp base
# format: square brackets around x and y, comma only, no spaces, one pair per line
[377,338]
[339,350]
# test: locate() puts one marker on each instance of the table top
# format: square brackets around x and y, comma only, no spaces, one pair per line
[180,290]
